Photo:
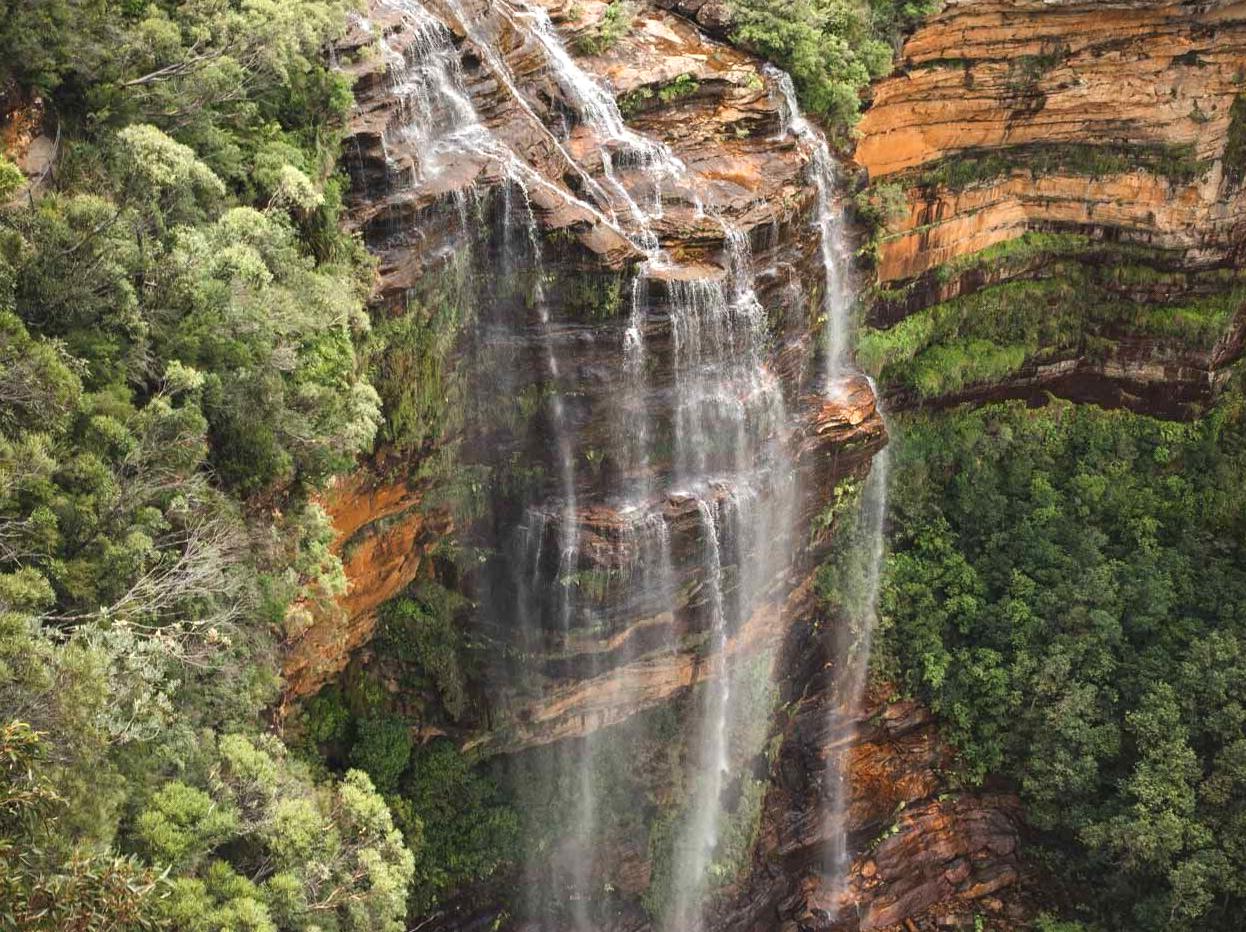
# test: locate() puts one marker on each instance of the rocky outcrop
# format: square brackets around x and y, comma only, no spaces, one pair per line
[1122,122]
[627,675]
[993,77]
[25,139]
[713,107]
[928,856]
[384,538]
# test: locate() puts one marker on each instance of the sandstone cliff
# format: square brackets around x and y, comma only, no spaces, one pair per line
[1028,176]
[1119,124]
[722,120]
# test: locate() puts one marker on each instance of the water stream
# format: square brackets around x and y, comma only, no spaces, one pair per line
[702,427]
[829,219]
[862,552]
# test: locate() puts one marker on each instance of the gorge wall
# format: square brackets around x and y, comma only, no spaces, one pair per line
[1033,145]
[1033,222]
[719,116]
[628,429]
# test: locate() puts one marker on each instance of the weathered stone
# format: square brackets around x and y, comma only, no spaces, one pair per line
[749,176]
[939,848]
[1153,80]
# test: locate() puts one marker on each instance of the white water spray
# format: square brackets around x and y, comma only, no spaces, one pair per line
[863,553]
[726,445]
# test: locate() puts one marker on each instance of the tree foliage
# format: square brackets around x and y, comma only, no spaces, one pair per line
[1065,590]
[179,375]
[831,48]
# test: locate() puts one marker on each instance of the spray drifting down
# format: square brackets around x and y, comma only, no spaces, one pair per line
[860,577]
[861,561]
[728,451]
[711,431]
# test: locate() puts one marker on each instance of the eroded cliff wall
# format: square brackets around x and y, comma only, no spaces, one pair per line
[717,113]
[1099,141]
[1078,163]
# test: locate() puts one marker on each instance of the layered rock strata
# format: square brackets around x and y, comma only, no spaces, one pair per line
[1119,122]
[712,106]
[745,182]
[927,857]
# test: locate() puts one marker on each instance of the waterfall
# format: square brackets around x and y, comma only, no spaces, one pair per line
[696,848]
[862,553]
[702,433]
[836,296]
[568,521]
[729,428]
[599,110]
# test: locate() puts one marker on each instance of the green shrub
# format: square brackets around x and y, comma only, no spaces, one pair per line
[468,832]
[616,22]
[420,631]
[683,86]
[1077,299]
[831,48]
[382,748]
[11,178]
[1176,163]
[326,718]
[410,364]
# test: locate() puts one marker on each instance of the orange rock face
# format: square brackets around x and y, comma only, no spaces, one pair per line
[928,858]
[723,122]
[383,537]
[994,75]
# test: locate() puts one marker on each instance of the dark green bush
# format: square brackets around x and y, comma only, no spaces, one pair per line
[469,832]
[831,48]
[1065,590]
[382,748]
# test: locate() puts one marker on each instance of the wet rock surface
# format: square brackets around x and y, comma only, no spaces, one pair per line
[927,856]
[723,123]
[744,190]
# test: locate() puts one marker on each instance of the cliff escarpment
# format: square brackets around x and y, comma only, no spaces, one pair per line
[612,463]
[610,454]
[743,180]
[1064,202]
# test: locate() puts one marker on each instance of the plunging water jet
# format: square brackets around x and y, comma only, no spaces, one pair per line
[829,221]
[860,576]
[693,526]
[860,557]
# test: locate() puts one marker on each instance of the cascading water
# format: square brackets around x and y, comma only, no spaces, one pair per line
[696,847]
[703,432]
[860,576]
[836,298]
[729,448]
[861,556]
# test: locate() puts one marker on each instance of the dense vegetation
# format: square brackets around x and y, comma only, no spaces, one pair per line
[1062,295]
[178,376]
[831,48]
[1066,590]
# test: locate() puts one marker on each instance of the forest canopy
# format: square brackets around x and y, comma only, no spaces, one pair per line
[831,48]
[178,376]
[1066,591]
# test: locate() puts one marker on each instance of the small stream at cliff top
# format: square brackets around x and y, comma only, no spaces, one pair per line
[701,494]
